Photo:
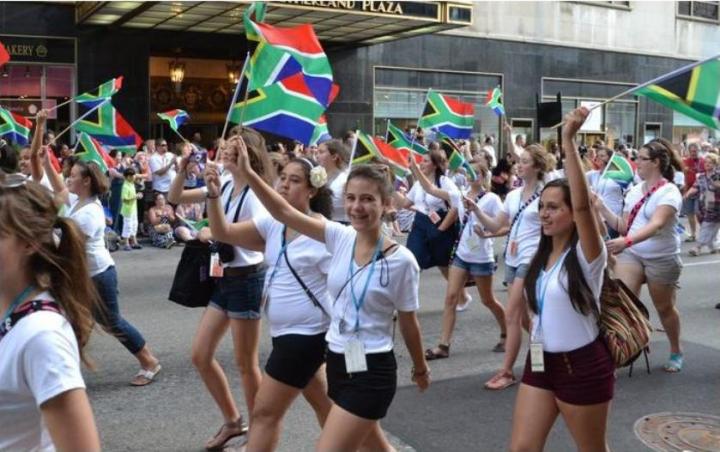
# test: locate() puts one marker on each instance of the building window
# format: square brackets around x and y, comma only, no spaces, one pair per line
[400,93]
[700,10]
[610,4]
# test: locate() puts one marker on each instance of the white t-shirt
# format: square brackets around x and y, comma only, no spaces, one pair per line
[251,207]
[158,162]
[91,220]
[472,248]
[394,286]
[426,203]
[607,189]
[666,241]
[289,309]
[525,231]
[39,360]
[563,328]
[337,187]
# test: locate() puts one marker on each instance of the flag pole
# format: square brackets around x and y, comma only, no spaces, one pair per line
[83,116]
[655,80]
[354,147]
[235,95]
[417,124]
[58,105]
[387,130]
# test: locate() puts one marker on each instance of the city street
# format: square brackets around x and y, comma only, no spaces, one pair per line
[456,413]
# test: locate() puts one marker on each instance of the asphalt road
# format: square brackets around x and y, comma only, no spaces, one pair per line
[176,412]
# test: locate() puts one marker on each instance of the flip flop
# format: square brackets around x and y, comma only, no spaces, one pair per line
[227,432]
[443,351]
[500,381]
[146,376]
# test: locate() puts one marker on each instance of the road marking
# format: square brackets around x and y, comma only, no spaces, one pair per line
[694,264]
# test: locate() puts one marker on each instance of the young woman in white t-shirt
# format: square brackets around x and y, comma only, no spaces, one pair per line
[334,156]
[473,258]
[46,304]
[649,247]
[236,299]
[569,370]
[521,221]
[370,277]
[79,195]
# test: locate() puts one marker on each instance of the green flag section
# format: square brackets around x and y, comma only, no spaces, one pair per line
[619,170]
[398,140]
[447,115]
[494,101]
[694,92]
[14,127]
[90,150]
[110,128]
[455,157]
[321,133]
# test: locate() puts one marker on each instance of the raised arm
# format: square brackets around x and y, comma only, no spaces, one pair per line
[243,234]
[509,145]
[36,166]
[590,238]
[278,207]
[426,184]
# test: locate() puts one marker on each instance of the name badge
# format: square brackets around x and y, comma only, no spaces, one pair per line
[216,268]
[537,358]
[513,247]
[355,359]
[434,217]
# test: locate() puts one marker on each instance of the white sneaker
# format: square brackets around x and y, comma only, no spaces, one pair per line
[462,307]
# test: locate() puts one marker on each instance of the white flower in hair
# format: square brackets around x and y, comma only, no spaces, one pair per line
[318,176]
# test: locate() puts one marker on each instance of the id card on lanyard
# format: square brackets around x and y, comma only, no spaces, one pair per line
[537,357]
[355,359]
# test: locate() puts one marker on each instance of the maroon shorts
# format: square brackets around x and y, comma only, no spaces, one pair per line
[584,376]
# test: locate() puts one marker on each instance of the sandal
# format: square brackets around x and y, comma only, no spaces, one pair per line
[146,376]
[462,307]
[442,351]
[227,432]
[675,363]
[500,381]
[690,239]
[694,252]
[500,346]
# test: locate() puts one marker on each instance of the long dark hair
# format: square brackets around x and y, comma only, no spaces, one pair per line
[322,201]
[581,296]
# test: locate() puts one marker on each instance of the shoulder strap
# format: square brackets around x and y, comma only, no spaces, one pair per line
[382,255]
[240,204]
[636,208]
[305,288]
[523,207]
[25,310]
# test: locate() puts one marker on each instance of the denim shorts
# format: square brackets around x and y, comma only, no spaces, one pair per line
[515,272]
[690,206]
[239,297]
[484,269]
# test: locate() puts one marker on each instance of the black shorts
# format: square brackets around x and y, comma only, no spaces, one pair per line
[365,394]
[295,358]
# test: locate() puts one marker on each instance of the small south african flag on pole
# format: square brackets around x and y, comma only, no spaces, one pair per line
[494,101]
[175,118]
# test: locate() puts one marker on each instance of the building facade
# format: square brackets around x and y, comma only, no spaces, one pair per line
[385,55]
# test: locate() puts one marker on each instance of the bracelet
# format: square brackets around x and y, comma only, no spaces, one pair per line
[212,197]
[628,242]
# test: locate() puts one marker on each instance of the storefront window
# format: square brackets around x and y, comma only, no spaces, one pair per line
[26,88]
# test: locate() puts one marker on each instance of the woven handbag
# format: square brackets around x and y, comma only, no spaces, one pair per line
[624,322]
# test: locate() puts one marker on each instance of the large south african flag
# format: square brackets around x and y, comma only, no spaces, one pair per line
[110,128]
[448,115]
[287,108]
[90,150]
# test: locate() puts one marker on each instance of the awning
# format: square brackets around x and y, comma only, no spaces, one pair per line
[341,22]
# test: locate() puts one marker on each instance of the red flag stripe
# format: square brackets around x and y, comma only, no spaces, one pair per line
[4,55]
[458,107]
[302,37]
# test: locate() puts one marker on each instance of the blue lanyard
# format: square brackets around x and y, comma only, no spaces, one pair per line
[280,254]
[541,288]
[16,302]
[359,302]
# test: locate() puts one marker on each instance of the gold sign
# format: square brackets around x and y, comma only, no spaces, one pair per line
[27,50]
[394,8]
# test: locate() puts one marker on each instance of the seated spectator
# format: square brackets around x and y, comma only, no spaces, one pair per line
[187,214]
[161,217]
